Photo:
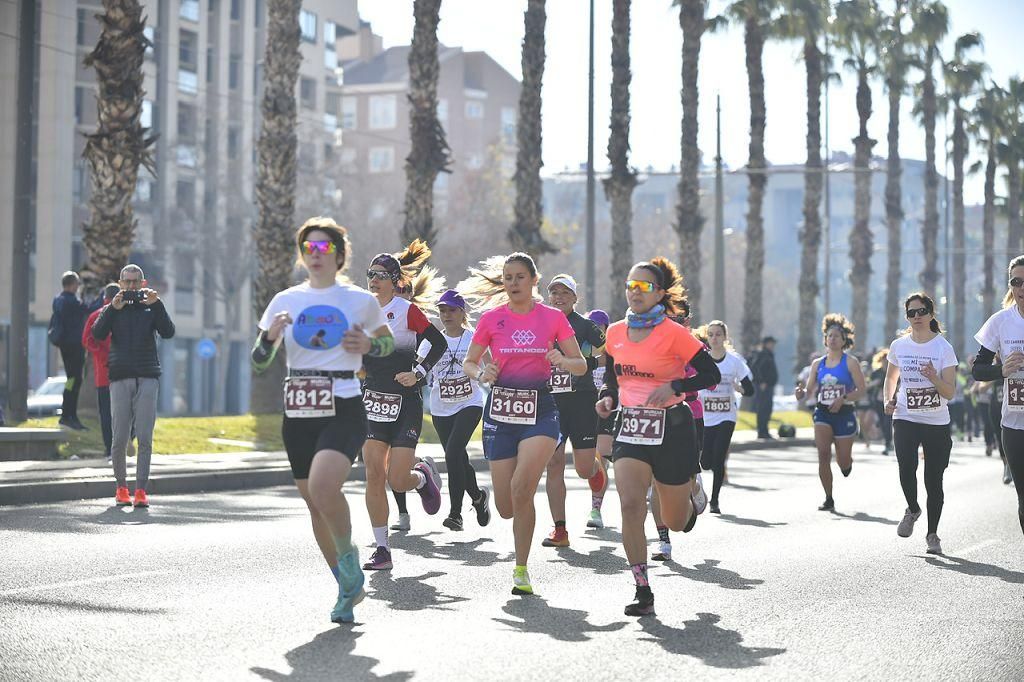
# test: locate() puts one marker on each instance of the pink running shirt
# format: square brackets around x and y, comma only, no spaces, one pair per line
[518,343]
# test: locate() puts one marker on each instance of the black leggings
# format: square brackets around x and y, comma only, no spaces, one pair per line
[714,452]
[1013,442]
[937,443]
[455,432]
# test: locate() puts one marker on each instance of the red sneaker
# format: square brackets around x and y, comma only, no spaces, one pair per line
[122,497]
[559,538]
[597,481]
[140,498]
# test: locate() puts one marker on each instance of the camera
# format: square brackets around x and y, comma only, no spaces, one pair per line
[131,296]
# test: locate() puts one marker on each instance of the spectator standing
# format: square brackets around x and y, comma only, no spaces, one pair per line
[65,332]
[132,320]
[99,350]
[766,375]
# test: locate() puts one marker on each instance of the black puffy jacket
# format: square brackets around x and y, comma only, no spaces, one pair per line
[133,330]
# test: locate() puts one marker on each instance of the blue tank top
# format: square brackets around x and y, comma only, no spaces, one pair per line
[830,377]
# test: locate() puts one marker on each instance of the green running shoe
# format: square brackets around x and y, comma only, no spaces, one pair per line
[350,586]
[521,581]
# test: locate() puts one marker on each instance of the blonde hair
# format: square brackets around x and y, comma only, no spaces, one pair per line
[485,286]
[879,358]
[702,332]
[422,281]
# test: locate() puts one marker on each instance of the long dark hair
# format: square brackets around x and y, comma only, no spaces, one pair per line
[929,304]
[671,281]
[1015,263]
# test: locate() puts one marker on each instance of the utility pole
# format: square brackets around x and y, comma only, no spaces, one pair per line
[591,252]
[24,215]
[719,216]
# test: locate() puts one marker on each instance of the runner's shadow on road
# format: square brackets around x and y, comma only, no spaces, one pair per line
[86,607]
[466,552]
[602,561]
[710,572]
[329,656]
[751,488]
[861,516]
[704,639]
[975,568]
[411,594]
[536,616]
[607,534]
[743,521]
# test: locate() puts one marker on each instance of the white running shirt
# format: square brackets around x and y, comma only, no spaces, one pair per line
[450,367]
[909,356]
[1003,333]
[734,370]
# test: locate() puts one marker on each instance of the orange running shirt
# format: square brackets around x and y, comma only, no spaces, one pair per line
[660,358]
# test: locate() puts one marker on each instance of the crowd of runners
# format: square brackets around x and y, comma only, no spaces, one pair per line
[649,394]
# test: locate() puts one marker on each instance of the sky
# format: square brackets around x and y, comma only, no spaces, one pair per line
[496,26]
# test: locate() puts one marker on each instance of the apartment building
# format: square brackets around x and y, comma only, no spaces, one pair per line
[203,87]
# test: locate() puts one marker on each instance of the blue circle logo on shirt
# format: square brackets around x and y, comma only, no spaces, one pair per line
[319,327]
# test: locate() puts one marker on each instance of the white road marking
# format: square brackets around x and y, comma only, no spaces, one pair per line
[77,583]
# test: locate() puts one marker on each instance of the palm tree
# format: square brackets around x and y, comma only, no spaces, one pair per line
[119,145]
[618,186]
[931,24]
[430,153]
[962,79]
[806,20]
[858,24]
[525,234]
[689,221]
[275,178]
[756,17]
[987,128]
[1013,152]
[896,63]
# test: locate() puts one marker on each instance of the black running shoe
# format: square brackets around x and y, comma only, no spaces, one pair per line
[453,523]
[644,604]
[482,505]
[692,522]
[828,505]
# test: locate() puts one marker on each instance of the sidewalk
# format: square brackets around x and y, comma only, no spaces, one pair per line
[32,482]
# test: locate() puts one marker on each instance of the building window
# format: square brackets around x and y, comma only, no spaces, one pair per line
[307,23]
[383,114]
[185,196]
[330,60]
[349,117]
[233,136]
[80,32]
[150,34]
[209,65]
[146,117]
[143,189]
[332,103]
[236,10]
[307,92]
[330,35]
[188,55]
[258,14]
[442,111]
[508,125]
[184,282]
[186,155]
[189,10]
[382,159]
[474,109]
[186,122]
[234,71]
[79,104]
[188,81]
[77,181]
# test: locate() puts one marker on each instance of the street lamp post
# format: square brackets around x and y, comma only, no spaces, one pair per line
[591,251]
[719,216]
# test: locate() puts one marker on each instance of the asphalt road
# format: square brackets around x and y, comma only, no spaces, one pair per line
[230,586]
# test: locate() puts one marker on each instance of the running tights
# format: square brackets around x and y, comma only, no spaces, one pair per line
[1013,443]
[716,448]
[937,443]
[455,432]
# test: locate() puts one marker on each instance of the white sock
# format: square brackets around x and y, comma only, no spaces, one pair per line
[380,534]
[422,478]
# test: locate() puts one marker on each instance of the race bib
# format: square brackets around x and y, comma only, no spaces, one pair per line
[599,376]
[717,403]
[1015,395]
[382,407]
[925,399]
[455,389]
[642,426]
[307,397]
[561,381]
[513,405]
[829,394]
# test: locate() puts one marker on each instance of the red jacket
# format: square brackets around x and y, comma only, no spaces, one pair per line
[99,350]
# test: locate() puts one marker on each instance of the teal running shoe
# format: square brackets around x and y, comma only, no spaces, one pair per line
[350,586]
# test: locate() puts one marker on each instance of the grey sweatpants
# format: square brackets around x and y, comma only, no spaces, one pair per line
[133,401]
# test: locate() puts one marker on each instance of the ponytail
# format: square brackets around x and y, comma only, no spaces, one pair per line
[410,274]
[668,279]
[928,303]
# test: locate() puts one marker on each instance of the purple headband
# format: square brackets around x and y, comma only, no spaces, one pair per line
[389,263]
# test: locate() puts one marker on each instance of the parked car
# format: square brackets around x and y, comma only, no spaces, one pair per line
[46,400]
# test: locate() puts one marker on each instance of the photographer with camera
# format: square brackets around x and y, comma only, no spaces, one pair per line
[132,319]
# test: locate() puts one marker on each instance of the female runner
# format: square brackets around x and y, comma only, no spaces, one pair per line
[321,323]
[645,357]
[521,426]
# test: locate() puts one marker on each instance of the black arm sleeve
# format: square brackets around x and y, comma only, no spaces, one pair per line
[747,387]
[437,346]
[611,382]
[983,368]
[104,321]
[162,322]
[707,374]
[592,362]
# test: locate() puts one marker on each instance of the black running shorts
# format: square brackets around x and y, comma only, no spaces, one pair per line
[344,432]
[577,418]
[673,462]
[404,432]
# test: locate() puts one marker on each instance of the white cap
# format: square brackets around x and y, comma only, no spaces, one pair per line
[565,280]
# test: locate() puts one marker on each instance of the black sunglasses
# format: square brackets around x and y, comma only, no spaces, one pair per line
[917,312]
[377,274]
[1016,282]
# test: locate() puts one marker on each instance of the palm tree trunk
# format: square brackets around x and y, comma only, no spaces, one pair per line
[988,229]
[618,186]
[119,145]
[689,221]
[810,236]
[929,276]
[753,320]
[525,234]
[893,210]
[861,238]
[430,152]
[1013,221]
[275,180]
[959,243]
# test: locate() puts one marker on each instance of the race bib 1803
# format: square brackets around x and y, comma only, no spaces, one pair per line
[307,397]
[642,425]
[382,407]
[513,405]
[717,403]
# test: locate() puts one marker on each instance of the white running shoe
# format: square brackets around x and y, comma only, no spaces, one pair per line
[906,527]
[698,496]
[933,544]
[595,520]
[403,523]
[664,552]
